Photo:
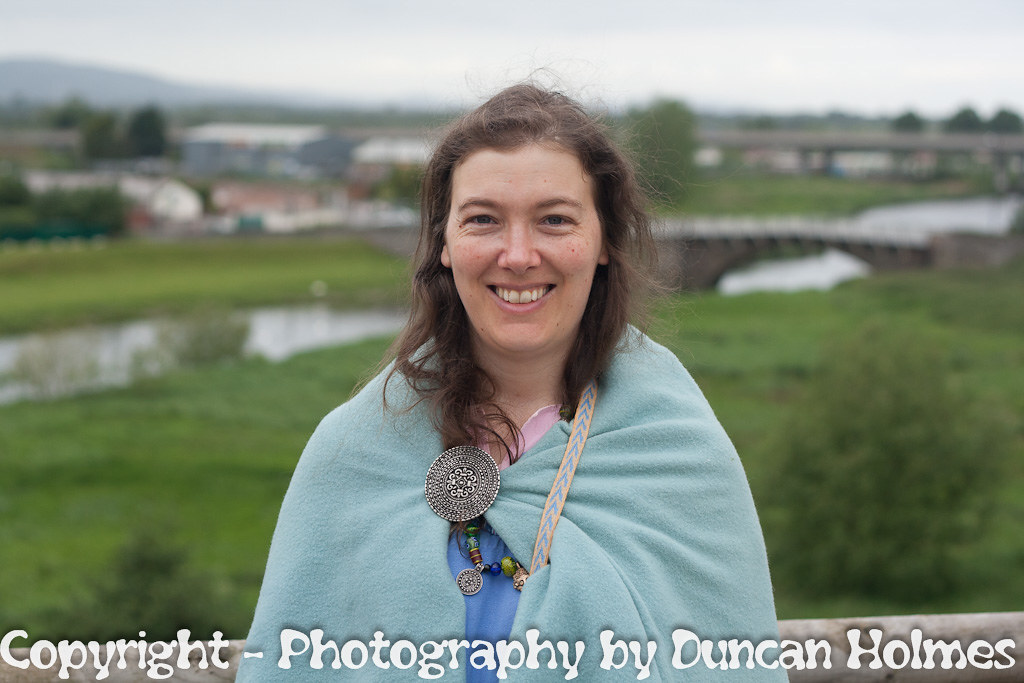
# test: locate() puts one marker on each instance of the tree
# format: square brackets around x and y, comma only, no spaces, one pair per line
[71,114]
[763,122]
[908,122]
[100,138]
[664,141]
[146,133]
[149,584]
[104,207]
[888,467]
[13,191]
[401,185]
[1006,121]
[965,121]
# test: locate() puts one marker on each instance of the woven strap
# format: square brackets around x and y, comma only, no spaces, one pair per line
[559,490]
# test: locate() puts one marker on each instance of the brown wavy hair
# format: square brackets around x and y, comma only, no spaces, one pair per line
[433,353]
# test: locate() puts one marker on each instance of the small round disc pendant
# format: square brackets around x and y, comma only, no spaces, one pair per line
[469,581]
[462,483]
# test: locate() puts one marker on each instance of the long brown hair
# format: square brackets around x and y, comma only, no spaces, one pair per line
[433,353]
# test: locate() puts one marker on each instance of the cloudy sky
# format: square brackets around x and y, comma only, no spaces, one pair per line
[865,56]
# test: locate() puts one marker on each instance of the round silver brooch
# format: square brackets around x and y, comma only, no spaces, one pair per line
[462,483]
[470,581]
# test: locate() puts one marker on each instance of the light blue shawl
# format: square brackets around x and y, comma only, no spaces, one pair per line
[658,533]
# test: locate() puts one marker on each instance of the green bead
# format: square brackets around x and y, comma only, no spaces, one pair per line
[508,566]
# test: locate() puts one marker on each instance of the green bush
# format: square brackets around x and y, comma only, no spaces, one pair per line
[103,206]
[401,185]
[204,336]
[1017,226]
[13,192]
[55,365]
[150,587]
[887,470]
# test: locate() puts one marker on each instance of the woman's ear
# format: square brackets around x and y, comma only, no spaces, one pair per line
[446,260]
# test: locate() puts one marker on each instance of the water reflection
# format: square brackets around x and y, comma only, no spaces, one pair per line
[37,366]
[823,271]
[986,215]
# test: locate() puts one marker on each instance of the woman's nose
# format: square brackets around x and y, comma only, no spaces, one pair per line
[519,251]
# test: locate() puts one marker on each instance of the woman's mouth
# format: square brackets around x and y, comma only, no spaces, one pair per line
[521,296]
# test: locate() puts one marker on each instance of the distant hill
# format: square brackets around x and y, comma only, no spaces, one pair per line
[45,81]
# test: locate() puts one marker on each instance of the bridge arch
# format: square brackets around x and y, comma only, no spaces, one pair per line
[700,262]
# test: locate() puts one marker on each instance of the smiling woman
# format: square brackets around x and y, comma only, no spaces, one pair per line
[578,487]
[523,241]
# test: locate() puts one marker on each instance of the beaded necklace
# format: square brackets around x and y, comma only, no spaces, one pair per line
[463,481]
[470,581]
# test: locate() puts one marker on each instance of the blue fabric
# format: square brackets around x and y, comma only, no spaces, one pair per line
[490,612]
[658,533]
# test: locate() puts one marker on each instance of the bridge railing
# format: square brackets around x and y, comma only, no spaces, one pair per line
[983,647]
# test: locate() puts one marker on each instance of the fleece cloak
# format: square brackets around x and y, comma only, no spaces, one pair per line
[658,533]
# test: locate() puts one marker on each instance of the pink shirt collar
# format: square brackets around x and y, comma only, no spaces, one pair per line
[533,429]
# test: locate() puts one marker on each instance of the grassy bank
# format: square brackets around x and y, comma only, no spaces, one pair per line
[753,355]
[48,287]
[204,456]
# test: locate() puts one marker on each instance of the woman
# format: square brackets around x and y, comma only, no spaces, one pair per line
[533,244]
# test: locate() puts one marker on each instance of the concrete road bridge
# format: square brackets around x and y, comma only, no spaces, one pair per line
[1003,151]
[695,253]
[824,141]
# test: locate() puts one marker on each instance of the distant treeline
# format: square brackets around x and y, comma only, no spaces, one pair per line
[35,115]
[59,213]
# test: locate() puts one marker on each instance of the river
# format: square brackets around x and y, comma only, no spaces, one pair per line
[82,359]
[986,215]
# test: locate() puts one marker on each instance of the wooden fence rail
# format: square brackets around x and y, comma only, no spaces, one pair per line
[985,647]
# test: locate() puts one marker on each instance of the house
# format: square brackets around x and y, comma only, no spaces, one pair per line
[275,207]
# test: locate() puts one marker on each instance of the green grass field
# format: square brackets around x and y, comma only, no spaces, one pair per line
[47,287]
[753,354]
[204,455]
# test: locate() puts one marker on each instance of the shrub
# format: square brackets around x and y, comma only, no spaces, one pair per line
[887,469]
[57,364]
[13,191]
[205,336]
[1017,226]
[101,206]
[151,587]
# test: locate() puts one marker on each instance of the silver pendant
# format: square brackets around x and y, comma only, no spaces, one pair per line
[462,483]
[470,581]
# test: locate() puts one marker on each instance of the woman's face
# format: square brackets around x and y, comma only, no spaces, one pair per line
[523,241]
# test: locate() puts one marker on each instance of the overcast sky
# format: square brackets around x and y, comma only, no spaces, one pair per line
[864,56]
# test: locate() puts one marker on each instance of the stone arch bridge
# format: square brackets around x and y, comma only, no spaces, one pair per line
[695,253]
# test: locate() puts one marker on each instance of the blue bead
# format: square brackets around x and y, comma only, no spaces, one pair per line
[496,568]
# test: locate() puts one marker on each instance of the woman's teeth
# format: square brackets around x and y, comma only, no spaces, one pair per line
[514,296]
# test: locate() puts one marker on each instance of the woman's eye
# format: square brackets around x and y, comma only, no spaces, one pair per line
[481,220]
[555,220]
